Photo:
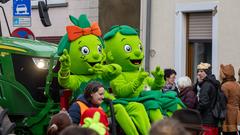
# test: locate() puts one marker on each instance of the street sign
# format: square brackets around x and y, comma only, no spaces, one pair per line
[22,8]
[23,33]
[21,21]
[22,13]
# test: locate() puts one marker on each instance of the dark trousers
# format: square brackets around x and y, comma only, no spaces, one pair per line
[229,133]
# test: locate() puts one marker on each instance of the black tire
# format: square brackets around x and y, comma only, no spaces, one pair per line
[6,126]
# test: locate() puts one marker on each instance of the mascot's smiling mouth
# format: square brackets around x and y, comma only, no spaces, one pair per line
[136,62]
[93,63]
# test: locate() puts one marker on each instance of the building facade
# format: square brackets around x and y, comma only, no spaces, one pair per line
[186,32]
[177,34]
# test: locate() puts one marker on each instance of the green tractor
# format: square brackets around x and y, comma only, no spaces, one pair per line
[27,90]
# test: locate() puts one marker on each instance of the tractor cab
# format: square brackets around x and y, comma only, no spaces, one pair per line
[27,90]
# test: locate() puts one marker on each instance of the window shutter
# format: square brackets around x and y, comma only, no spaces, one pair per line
[200,26]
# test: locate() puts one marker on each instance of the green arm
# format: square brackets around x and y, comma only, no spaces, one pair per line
[109,95]
[70,81]
[122,88]
[157,84]
[128,85]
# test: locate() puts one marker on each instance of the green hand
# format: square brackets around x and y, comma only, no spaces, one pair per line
[65,60]
[95,124]
[105,71]
[158,73]
[142,75]
[99,68]
[65,63]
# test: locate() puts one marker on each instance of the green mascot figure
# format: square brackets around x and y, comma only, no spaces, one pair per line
[124,47]
[82,59]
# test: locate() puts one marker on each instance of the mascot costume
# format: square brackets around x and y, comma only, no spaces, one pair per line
[124,47]
[82,57]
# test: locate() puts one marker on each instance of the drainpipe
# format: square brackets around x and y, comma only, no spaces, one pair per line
[148,35]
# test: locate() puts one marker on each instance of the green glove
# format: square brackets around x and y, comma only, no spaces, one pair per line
[108,72]
[158,74]
[65,63]
[95,124]
[141,76]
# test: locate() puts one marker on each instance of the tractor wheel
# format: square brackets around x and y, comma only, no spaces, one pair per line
[6,126]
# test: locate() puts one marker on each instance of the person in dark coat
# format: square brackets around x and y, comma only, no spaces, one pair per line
[206,89]
[187,94]
[92,98]
[87,104]
[231,89]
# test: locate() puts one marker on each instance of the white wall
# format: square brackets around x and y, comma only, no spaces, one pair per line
[8,11]
[163,32]
[229,33]
[59,17]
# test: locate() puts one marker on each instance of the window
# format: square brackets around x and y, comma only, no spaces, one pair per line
[199,41]
[34,81]
[184,43]
[51,3]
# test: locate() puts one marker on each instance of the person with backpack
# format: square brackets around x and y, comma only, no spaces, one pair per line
[206,90]
[231,90]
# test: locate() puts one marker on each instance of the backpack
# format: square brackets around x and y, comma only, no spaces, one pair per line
[219,109]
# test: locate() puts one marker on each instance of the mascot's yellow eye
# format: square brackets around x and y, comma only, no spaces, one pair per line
[140,47]
[85,50]
[99,48]
[127,48]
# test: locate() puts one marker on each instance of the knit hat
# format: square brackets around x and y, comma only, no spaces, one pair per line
[206,67]
[227,71]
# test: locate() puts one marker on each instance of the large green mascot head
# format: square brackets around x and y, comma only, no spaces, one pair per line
[84,45]
[124,47]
